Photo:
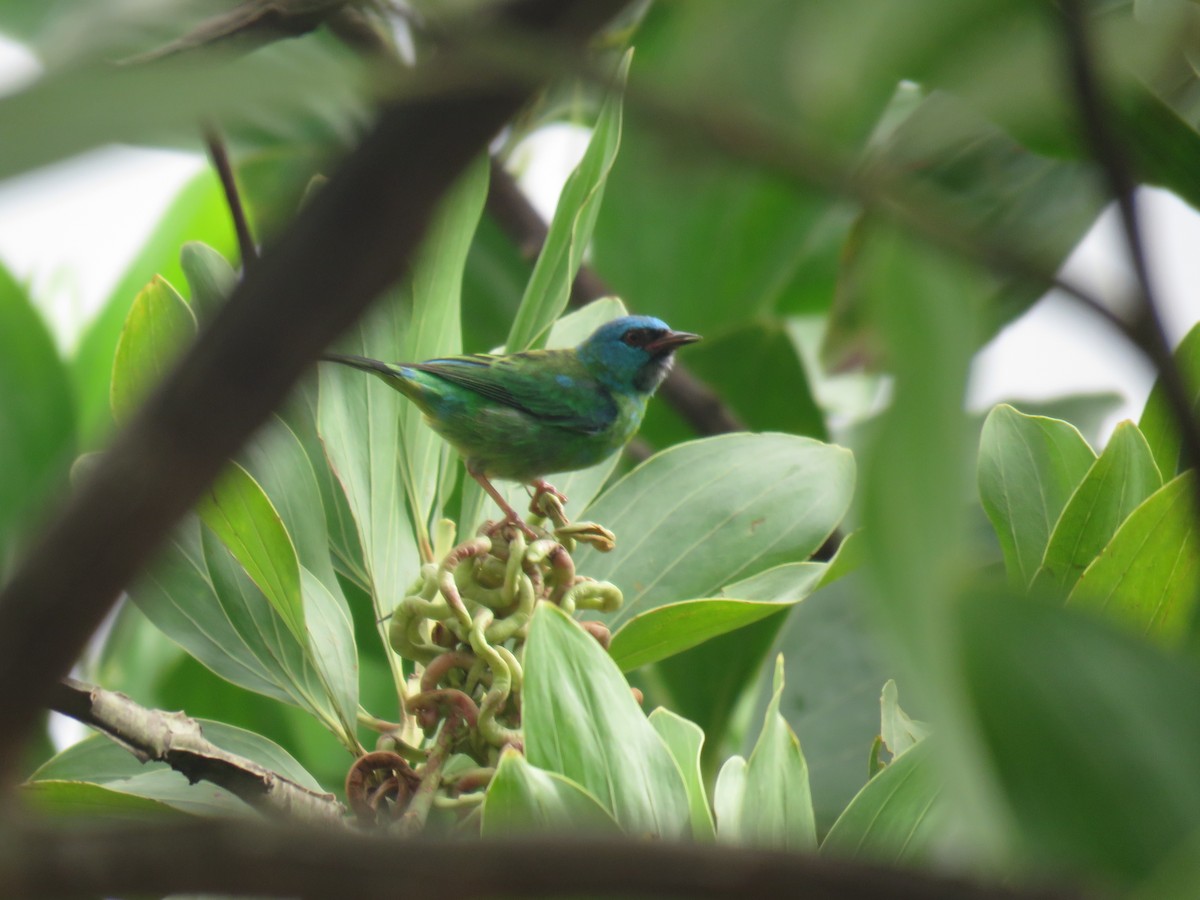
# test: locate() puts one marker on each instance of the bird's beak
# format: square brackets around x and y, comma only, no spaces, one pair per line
[671,340]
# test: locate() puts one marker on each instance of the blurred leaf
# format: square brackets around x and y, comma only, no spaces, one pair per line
[1090,413]
[1028,469]
[571,228]
[198,212]
[209,275]
[894,819]
[706,242]
[522,798]
[1158,421]
[493,282]
[675,627]
[242,516]
[700,515]
[581,721]
[728,796]
[772,805]
[684,739]
[1149,574]
[990,185]
[1047,683]
[433,325]
[1114,486]
[37,418]
[79,800]
[158,327]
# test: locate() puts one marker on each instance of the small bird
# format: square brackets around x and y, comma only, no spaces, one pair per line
[521,416]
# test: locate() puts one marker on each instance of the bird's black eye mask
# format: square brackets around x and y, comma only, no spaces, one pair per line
[640,337]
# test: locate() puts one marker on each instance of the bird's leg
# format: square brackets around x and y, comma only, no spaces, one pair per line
[510,514]
[543,488]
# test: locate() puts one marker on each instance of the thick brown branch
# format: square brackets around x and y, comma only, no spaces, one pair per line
[178,741]
[354,239]
[687,394]
[261,860]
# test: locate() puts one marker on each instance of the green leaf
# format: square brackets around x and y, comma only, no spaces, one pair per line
[242,516]
[158,326]
[37,418]
[685,739]
[1091,733]
[675,627]
[1158,421]
[896,817]
[1028,469]
[433,327]
[523,798]
[100,761]
[581,721]
[79,800]
[209,275]
[571,228]
[697,516]
[198,212]
[358,418]
[1119,480]
[768,802]
[1149,574]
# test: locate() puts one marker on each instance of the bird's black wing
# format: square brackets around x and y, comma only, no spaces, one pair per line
[549,385]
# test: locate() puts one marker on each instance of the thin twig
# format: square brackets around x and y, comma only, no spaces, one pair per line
[218,153]
[178,741]
[698,403]
[260,859]
[1146,329]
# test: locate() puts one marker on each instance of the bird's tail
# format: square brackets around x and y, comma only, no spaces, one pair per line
[361,362]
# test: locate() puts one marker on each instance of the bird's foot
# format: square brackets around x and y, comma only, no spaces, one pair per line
[548,501]
[511,519]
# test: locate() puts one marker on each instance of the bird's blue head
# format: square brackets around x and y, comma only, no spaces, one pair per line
[633,353]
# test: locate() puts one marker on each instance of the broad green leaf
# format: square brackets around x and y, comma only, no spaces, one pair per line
[767,802]
[581,721]
[1149,574]
[358,417]
[81,800]
[198,212]
[896,818]
[1119,480]
[242,516]
[571,228]
[684,739]
[156,330]
[1028,469]
[209,275]
[700,515]
[37,418]
[99,759]
[523,798]
[1051,688]
[1158,421]
[433,326]
[675,627]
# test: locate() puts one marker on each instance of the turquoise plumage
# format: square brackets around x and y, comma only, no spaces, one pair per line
[522,416]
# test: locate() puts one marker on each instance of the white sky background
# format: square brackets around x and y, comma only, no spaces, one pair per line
[70,229]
